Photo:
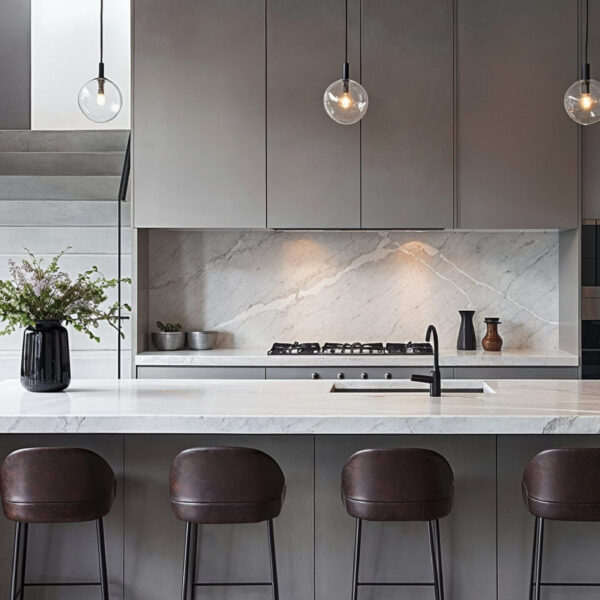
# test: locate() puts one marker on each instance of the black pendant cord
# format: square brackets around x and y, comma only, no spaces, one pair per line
[101,31]
[101,64]
[586,65]
[346,67]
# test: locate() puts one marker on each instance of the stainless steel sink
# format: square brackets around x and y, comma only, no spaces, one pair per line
[406,386]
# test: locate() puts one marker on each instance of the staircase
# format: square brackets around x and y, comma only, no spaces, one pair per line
[59,188]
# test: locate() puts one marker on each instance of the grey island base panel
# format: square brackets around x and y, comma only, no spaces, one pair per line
[486,539]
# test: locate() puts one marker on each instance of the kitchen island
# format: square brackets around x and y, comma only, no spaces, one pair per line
[488,432]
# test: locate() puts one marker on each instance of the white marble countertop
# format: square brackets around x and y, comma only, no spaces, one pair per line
[448,358]
[301,407]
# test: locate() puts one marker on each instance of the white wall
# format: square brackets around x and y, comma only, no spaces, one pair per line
[65,54]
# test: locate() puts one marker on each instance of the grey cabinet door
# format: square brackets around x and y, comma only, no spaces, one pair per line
[199,113]
[407,133]
[517,147]
[313,164]
[176,372]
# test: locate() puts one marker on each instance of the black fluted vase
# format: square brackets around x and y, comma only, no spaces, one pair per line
[466,333]
[45,362]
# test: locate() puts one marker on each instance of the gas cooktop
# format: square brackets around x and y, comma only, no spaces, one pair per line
[352,348]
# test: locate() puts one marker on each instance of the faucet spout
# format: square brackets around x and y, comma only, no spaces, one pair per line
[434,379]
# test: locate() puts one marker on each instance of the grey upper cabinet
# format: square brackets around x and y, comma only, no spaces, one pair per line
[199,113]
[313,164]
[517,147]
[407,133]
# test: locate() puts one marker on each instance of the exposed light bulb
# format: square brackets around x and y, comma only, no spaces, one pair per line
[345,100]
[100,99]
[586,101]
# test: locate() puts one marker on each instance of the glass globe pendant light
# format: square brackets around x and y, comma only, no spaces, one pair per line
[345,100]
[582,99]
[100,99]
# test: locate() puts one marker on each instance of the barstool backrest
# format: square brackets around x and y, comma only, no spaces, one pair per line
[564,475]
[55,475]
[225,474]
[397,475]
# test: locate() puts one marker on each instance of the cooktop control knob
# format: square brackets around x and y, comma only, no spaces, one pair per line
[315,376]
[340,376]
[364,376]
[388,375]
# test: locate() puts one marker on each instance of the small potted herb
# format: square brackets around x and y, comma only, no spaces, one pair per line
[169,336]
[41,298]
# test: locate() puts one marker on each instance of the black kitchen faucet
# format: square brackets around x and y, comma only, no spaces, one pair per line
[434,379]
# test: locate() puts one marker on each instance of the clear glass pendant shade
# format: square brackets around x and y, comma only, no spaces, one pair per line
[100,100]
[346,101]
[582,101]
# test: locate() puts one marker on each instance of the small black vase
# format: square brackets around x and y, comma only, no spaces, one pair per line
[45,363]
[466,333]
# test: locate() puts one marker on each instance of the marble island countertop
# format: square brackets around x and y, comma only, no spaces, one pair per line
[448,358]
[301,407]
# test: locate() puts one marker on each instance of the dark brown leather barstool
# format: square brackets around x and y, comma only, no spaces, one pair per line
[562,485]
[398,484]
[55,485]
[225,485]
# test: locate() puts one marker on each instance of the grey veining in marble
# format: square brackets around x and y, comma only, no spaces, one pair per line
[257,287]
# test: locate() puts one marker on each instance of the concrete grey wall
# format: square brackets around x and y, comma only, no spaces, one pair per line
[15,64]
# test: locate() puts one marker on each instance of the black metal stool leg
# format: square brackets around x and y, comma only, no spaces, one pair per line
[357,538]
[24,559]
[102,559]
[186,561]
[15,565]
[274,579]
[538,562]
[439,559]
[533,560]
[434,561]
[194,550]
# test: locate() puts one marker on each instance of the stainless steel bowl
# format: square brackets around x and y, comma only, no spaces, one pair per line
[171,340]
[201,340]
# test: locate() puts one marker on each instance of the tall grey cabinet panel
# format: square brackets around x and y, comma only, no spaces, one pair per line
[517,147]
[199,113]
[407,133]
[313,164]
[590,174]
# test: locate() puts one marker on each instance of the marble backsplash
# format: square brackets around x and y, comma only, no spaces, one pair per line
[256,287]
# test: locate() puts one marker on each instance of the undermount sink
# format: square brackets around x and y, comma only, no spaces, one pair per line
[406,386]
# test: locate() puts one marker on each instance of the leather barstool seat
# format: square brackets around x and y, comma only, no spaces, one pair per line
[397,484]
[560,484]
[55,485]
[225,485]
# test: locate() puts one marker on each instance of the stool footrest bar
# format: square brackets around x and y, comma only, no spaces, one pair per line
[59,584]
[233,584]
[393,583]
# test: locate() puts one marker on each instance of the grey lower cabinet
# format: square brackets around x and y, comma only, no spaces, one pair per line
[407,134]
[313,164]
[345,372]
[517,147]
[516,373]
[176,372]
[199,113]
[350,372]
